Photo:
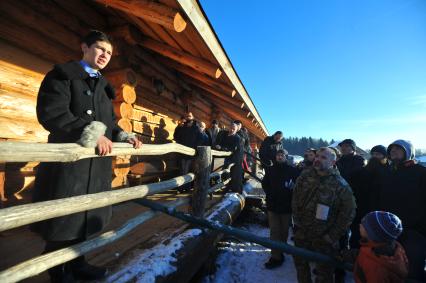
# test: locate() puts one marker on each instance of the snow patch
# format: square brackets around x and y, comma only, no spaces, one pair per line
[157,261]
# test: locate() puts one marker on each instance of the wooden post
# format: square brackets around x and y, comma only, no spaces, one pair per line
[201,187]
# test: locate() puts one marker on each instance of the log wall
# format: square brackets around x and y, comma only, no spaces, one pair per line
[151,96]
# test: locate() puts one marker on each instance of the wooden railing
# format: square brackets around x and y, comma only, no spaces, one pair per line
[30,213]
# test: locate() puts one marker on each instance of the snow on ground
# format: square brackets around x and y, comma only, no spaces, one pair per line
[153,262]
[240,261]
[243,262]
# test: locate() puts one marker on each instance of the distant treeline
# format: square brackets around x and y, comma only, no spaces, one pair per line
[297,146]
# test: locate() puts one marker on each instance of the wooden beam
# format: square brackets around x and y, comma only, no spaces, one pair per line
[182,57]
[197,76]
[215,93]
[151,11]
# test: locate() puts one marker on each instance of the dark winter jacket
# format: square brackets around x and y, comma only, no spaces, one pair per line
[245,140]
[348,164]
[372,266]
[402,191]
[190,136]
[231,143]
[278,185]
[364,184]
[268,149]
[67,103]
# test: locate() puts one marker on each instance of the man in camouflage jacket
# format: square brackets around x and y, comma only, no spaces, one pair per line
[323,208]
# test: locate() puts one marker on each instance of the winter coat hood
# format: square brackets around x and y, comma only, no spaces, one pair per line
[407,146]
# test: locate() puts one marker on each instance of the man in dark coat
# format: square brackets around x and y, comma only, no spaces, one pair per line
[269,147]
[231,141]
[348,164]
[188,133]
[364,183]
[74,105]
[278,185]
[402,191]
[350,161]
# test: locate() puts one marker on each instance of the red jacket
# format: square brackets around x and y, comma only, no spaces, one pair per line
[371,267]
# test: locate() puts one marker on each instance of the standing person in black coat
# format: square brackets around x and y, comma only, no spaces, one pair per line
[74,105]
[402,191]
[349,162]
[364,183]
[278,185]
[269,147]
[231,141]
[187,133]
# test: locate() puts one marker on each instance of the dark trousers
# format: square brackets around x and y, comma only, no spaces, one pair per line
[414,244]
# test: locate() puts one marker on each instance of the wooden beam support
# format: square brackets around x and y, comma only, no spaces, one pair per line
[182,57]
[150,11]
[215,93]
[198,76]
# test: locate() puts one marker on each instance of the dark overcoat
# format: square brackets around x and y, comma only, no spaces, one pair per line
[68,101]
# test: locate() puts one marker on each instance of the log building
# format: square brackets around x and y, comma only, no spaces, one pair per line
[166,60]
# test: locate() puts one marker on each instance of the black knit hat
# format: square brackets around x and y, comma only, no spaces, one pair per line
[379,149]
[349,142]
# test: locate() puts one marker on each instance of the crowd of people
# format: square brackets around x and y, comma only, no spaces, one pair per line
[338,204]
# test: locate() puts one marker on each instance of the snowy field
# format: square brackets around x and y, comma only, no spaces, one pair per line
[240,261]
[243,262]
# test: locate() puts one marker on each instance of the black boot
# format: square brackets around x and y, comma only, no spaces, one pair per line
[82,270]
[274,263]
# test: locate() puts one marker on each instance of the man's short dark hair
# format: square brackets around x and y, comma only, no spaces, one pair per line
[95,35]
[214,122]
[238,122]
[278,133]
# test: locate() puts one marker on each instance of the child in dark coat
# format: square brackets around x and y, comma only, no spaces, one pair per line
[381,258]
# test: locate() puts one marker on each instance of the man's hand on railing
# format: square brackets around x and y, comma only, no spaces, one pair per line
[135,141]
[104,146]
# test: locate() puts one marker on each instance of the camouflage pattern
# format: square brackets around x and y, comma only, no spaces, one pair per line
[318,231]
[330,190]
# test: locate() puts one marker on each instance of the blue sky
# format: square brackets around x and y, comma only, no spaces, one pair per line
[331,69]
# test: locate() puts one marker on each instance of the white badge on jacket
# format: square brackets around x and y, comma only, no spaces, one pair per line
[322,212]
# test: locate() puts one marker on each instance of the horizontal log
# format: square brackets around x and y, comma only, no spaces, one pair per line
[50,9]
[69,152]
[17,106]
[151,117]
[126,93]
[160,134]
[213,92]
[151,167]
[29,213]
[15,79]
[119,78]
[22,130]
[164,106]
[150,11]
[35,43]
[127,32]
[228,90]
[123,110]
[45,26]
[90,16]
[41,263]
[182,57]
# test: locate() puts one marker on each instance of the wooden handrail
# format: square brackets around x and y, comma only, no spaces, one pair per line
[41,263]
[69,152]
[29,213]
